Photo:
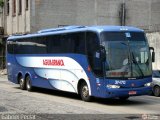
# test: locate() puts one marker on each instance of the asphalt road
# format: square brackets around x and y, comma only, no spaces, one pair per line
[45,103]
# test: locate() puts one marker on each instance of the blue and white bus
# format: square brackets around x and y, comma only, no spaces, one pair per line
[95,61]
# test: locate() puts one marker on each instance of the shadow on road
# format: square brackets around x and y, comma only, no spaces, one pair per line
[55,93]
[117,102]
[111,102]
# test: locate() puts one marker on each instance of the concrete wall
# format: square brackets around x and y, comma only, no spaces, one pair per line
[53,13]
[1,17]
[154,41]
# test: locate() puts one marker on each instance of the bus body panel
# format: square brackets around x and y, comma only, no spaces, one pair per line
[126,86]
[61,72]
[11,68]
[64,71]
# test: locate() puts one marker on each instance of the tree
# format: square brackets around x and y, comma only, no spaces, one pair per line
[1,3]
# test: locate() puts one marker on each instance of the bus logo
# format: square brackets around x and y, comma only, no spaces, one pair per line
[53,62]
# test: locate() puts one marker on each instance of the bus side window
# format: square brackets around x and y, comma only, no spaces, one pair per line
[93,47]
[53,44]
[30,46]
[68,44]
[75,43]
[80,43]
[10,47]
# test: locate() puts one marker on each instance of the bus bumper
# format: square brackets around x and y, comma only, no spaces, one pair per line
[124,92]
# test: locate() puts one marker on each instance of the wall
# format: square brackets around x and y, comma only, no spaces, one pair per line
[154,41]
[1,17]
[53,13]
[17,24]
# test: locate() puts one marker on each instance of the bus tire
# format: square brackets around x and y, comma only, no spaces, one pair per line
[22,83]
[156,91]
[84,92]
[28,83]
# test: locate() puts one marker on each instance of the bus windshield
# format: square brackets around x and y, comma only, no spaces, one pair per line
[127,54]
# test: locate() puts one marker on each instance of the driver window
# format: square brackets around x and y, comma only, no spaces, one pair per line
[93,47]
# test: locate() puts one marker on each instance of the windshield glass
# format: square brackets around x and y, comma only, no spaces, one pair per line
[127,55]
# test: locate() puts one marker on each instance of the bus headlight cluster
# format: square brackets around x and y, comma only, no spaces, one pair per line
[148,84]
[113,86]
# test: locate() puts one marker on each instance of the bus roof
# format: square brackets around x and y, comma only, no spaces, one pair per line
[71,29]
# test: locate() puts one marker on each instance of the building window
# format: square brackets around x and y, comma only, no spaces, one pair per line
[14,7]
[7,7]
[20,7]
[27,4]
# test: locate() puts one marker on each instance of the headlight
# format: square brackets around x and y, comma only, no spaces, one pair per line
[113,86]
[148,84]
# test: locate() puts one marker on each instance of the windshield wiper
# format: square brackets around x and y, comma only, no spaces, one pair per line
[136,63]
[129,56]
[132,59]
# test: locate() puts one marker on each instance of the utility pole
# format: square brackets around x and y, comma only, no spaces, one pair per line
[123,14]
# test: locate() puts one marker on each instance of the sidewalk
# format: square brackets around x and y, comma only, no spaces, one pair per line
[3,72]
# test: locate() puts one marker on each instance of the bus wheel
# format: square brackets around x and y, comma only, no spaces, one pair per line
[28,84]
[156,91]
[22,83]
[84,91]
[124,98]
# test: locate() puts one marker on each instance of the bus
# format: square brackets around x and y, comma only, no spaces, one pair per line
[92,61]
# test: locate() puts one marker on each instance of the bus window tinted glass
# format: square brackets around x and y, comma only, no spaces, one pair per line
[30,46]
[93,47]
[53,44]
[118,36]
[66,43]
[10,47]
[78,42]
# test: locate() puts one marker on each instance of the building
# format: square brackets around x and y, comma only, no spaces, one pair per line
[16,16]
[28,16]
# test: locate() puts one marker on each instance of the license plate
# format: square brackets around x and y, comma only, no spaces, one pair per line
[132,92]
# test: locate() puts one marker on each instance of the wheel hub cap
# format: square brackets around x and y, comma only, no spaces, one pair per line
[85,91]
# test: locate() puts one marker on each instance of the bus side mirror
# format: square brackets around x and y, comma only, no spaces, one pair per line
[103,53]
[153,54]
